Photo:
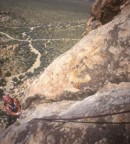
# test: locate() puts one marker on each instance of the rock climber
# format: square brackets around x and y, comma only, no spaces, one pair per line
[13,109]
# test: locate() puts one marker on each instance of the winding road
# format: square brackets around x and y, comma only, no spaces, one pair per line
[27,38]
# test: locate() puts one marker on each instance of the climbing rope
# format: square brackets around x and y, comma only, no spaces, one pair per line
[76,119]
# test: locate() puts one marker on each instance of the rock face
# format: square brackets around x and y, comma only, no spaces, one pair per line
[98,58]
[107,129]
[83,96]
[112,98]
[103,11]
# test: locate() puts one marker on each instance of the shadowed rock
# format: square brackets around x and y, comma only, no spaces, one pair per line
[110,99]
[107,129]
[38,132]
[103,11]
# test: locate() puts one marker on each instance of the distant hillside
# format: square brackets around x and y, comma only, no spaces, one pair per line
[71,1]
[78,1]
[46,11]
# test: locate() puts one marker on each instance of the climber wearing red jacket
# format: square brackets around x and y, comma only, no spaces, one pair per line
[13,108]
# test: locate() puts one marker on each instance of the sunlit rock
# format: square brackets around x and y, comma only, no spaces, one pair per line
[100,57]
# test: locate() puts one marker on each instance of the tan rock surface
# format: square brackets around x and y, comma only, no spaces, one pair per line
[100,57]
